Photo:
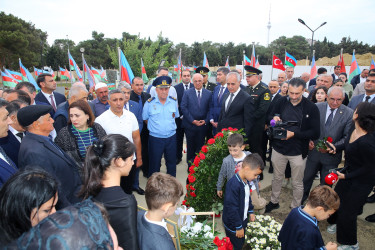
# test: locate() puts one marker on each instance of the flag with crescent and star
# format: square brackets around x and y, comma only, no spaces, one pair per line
[277,63]
[290,60]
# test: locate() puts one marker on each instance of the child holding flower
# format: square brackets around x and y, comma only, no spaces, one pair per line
[237,201]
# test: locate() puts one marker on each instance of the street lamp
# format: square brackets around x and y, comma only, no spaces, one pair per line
[312,38]
[83,64]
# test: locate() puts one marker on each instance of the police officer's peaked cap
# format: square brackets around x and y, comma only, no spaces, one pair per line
[162,82]
[252,71]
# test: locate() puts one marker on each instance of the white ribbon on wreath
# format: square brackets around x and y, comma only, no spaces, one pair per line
[189,218]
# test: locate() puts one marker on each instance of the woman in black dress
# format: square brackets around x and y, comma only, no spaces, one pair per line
[106,162]
[358,178]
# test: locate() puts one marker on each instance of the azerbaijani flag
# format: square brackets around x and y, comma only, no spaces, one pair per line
[179,68]
[72,79]
[88,72]
[205,61]
[313,68]
[27,75]
[354,68]
[8,81]
[372,66]
[253,59]
[103,73]
[74,66]
[126,73]
[257,64]
[64,74]
[247,61]
[143,70]
[16,75]
[96,73]
[290,60]
[227,63]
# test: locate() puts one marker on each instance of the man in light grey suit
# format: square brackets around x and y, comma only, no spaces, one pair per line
[369,95]
[335,122]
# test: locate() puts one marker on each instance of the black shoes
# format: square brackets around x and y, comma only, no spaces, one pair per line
[370,218]
[271,206]
[139,190]
[370,199]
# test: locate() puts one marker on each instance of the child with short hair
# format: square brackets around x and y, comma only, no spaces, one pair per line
[237,200]
[232,163]
[300,229]
[162,195]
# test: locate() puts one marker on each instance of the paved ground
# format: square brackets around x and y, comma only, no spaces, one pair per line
[366,230]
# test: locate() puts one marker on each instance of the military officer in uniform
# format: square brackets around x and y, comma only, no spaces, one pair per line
[206,84]
[159,112]
[261,100]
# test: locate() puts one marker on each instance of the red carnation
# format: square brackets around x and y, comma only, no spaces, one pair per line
[220,135]
[193,194]
[191,169]
[187,186]
[235,129]
[204,149]
[196,161]
[329,139]
[224,129]
[217,241]
[202,156]
[211,141]
[191,178]
[230,129]
[184,202]
[192,188]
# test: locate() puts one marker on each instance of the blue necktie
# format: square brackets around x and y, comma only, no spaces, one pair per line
[199,98]
[329,120]
[140,101]
[220,94]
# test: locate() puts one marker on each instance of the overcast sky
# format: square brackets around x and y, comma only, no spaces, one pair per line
[204,20]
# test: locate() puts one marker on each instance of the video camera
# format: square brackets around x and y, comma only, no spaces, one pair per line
[277,129]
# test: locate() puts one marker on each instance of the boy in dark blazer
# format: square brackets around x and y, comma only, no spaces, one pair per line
[163,193]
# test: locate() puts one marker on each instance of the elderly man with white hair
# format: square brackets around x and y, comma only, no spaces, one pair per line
[101,101]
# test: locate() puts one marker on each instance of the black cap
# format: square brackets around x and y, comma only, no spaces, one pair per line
[30,114]
[250,71]
[162,82]
[202,70]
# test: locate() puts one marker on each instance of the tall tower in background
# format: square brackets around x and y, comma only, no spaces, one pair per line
[269,27]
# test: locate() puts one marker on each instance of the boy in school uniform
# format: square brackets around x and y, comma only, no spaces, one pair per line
[300,229]
[162,195]
[237,200]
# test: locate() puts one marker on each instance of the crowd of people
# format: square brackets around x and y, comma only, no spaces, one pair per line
[69,154]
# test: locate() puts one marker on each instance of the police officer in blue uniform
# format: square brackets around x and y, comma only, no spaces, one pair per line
[160,112]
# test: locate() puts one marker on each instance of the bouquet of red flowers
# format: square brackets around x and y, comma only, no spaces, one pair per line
[321,145]
[223,244]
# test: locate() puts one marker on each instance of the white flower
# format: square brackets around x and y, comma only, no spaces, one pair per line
[207,228]
[197,227]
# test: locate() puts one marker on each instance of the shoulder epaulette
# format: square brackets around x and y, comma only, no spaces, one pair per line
[150,99]
[264,85]
[173,98]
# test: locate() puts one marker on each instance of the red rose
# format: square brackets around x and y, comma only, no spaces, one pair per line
[217,241]
[191,169]
[230,129]
[192,188]
[187,186]
[220,135]
[191,178]
[211,141]
[235,129]
[224,129]
[196,161]
[184,202]
[193,194]
[204,149]
[202,156]
[329,139]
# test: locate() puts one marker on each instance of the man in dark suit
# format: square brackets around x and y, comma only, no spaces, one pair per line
[180,89]
[359,78]
[236,109]
[369,95]
[195,107]
[335,122]
[12,142]
[206,84]
[139,96]
[7,166]
[260,99]
[336,72]
[48,94]
[217,97]
[37,149]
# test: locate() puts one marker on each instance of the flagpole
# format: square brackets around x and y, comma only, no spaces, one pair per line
[83,65]
[243,64]
[272,65]
[119,62]
[285,57]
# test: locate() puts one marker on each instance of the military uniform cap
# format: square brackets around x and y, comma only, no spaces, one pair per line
[250,71]
[29,114]
[162,82]
[202,70]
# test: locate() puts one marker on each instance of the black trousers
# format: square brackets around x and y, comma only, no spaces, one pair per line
[195,140]
[237,242]
[144,142]
[353,194]
[180,138]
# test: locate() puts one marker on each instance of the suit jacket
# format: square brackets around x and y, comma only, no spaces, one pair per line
[180,89]
[144,96]
[11,146]
[215,108]
[36,150]
[357,100]
[190,109]
[239,114]
[6,170]
[312,82]
[152,236]
[338,130]
[137,111]
[59,98]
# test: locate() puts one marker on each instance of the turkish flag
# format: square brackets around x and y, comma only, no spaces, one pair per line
[341,64]
[277,63]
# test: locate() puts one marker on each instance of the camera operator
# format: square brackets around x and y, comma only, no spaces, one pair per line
[294,148]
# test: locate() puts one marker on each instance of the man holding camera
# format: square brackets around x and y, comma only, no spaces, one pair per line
[302,125]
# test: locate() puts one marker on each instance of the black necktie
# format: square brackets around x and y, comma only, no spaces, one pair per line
[367,98]
[204,85]
[20,135]
[199,98]
[230,102]
[186,87]
[329,120]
